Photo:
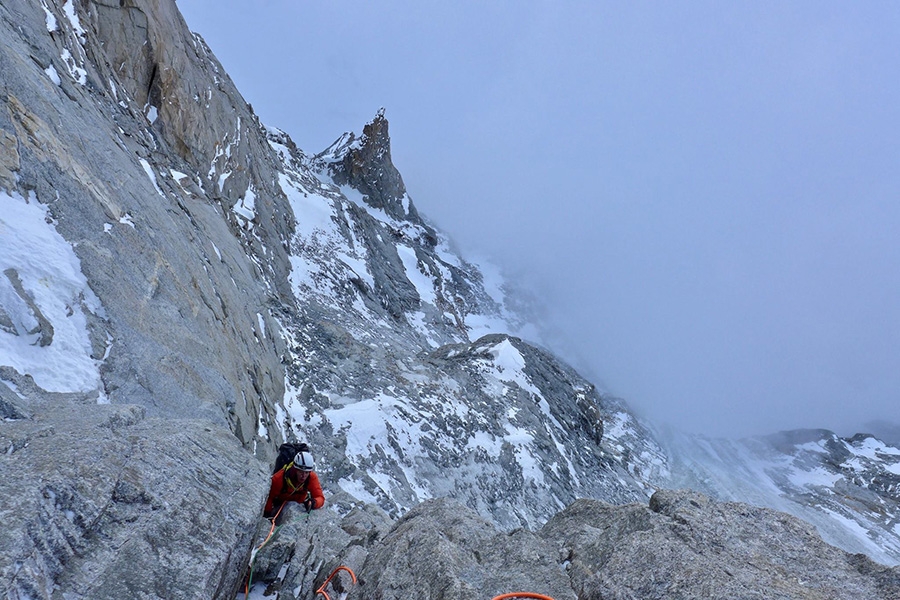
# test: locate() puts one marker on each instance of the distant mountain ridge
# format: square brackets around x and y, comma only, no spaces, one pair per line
[847,488]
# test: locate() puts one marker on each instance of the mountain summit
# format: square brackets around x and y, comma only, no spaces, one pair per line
[364,163]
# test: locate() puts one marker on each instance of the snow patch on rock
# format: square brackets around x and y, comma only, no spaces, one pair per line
[44,296]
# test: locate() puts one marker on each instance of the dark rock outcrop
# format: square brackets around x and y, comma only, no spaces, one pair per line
[365,164]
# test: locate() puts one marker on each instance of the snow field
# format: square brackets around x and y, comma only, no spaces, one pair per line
[50,273]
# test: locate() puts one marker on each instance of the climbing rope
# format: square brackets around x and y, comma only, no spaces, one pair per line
[272,533]
[258,548]
[521,595]
[321,589]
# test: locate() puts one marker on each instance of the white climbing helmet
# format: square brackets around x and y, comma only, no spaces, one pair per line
[304,461]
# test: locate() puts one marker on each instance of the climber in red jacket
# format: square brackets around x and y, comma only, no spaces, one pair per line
[295,482]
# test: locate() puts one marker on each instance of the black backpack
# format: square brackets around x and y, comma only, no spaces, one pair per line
[286,454]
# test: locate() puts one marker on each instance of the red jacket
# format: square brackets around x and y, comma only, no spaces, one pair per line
[281,491]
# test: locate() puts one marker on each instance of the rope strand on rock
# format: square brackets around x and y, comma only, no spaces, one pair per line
[321,589]
[258,548]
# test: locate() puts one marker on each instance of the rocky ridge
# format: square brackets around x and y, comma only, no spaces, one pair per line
[680,544]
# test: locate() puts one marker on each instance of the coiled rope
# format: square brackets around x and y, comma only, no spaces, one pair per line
[321,589]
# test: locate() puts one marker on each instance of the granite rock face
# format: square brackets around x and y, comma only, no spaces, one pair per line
[103,501]
[131,473]
[443,550]
[183,279]
[686,546]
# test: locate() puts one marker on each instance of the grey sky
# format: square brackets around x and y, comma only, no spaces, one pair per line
[705,195]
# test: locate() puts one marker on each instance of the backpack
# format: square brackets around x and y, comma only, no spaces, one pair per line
[286,454]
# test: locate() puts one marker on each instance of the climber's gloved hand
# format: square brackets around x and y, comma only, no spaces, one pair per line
[309,504]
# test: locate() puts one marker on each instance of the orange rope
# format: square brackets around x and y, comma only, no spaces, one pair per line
[522,595]
[275,518]
[322,591]
[258,548]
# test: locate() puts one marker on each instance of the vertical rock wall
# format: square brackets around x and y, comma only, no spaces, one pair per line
[120,127]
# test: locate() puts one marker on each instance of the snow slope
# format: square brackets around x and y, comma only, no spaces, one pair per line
[44,301]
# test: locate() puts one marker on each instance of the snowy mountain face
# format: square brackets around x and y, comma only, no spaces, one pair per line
[414,405]
[388,374]
[182,289]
